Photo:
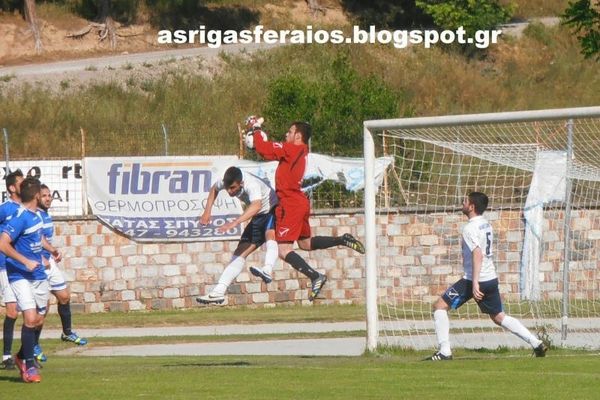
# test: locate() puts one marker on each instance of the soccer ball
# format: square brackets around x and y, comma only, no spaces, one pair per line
[249,138]
[254,122]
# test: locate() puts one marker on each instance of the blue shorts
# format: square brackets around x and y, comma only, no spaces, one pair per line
[462,291]
[255,230]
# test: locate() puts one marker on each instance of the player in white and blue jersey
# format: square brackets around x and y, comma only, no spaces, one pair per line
[56,279]
[479,282]
[7,210]
[21,242]
[260,200]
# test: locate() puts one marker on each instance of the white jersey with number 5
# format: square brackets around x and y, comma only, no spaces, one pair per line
[478,233]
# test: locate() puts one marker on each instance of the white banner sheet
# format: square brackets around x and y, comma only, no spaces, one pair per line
[63,178]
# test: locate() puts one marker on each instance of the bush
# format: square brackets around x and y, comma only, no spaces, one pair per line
[335,104]
[472,15]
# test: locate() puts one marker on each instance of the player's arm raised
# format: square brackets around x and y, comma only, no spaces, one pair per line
[212,195]
[267,149]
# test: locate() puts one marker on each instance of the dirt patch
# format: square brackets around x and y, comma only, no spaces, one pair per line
[17,47]
[298,14]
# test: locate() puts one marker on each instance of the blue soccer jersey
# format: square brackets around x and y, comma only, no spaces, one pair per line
[47,230]
[25,231]
[7,210]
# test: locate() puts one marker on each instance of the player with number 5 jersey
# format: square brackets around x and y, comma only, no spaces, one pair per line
[478,234]
[479,282]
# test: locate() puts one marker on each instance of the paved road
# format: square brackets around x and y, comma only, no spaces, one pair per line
[132,59]
[298,347]
[216,330]
[349,346]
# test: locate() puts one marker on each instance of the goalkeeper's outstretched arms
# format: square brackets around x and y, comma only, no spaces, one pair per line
[267,149]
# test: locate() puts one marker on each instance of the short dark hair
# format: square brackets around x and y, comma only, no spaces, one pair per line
[480,201]
[44,186]
[11,179]
[232,175]
[29,188]
[305,129]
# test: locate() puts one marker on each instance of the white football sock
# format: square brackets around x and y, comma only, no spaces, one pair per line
[271,256]
[231,272]
[442,331]
[516,327]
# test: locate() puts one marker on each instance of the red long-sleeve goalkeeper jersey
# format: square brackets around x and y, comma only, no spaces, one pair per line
[290,171]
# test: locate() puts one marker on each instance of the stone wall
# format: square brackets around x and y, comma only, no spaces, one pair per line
[109,272]
[419,255]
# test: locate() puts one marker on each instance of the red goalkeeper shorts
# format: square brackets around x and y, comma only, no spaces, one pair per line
[291,221]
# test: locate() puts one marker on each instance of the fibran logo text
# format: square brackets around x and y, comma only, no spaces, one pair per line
[133,179]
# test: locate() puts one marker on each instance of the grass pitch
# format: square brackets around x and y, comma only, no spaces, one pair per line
[497,376]
[391,374]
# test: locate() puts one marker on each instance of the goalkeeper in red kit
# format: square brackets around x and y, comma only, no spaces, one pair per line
[292,213]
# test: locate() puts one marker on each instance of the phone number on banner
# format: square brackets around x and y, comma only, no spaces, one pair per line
[174,228]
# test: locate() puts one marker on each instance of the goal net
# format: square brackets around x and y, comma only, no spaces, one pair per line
[541,172]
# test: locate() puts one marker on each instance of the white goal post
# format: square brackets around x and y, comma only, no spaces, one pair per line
[541,171]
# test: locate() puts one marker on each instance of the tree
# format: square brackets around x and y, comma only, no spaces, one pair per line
[584,18]
[108,14]
[397,14]
[335,103]
[472,15]
[27,8]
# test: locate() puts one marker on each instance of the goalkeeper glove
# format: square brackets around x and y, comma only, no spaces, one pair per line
[254,122]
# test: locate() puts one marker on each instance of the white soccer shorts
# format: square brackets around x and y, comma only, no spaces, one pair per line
[56,279]
[6,291]
[31,294]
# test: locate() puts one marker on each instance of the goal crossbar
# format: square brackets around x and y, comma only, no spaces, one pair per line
[485,118]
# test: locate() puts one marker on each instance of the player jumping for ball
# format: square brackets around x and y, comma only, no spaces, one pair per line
[292,213]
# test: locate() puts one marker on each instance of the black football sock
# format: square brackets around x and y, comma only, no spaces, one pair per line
[324,242]
[8,331]
[38,333]
[300,265]
[64,310]
[28,343]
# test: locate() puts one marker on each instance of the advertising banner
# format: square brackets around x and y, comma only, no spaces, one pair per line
[161,198]
[63,178]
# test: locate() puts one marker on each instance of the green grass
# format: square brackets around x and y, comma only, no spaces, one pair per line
[391,373]
[370,377]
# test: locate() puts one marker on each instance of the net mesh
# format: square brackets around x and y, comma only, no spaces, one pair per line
[544,191]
